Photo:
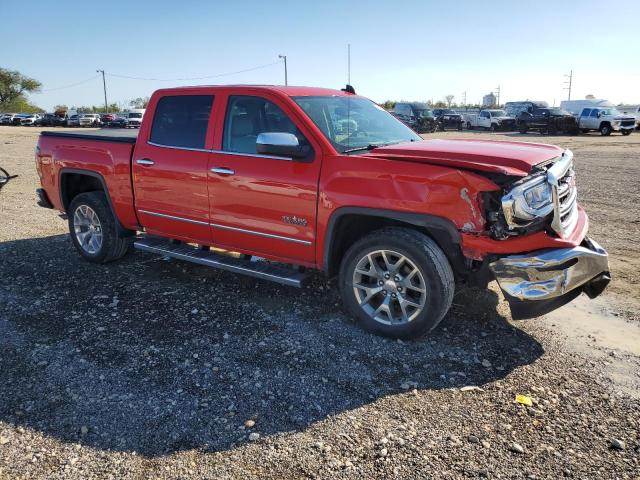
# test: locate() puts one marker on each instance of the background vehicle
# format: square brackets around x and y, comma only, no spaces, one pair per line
[30,120]
[490,119]
[73,121]
[260,171]
[547,120]
[89,120]
[598,114]
[107,117]
[117,122]
[134,117]
[52,120]
[447,118]
[7,118]
[17,119]
[417,116]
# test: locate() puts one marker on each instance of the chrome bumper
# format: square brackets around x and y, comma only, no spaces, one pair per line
[549,274]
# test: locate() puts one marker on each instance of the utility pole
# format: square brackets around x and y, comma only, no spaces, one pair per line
[348,64]
[464,98]
[569,82]
[104,85]
[284,57]
[498,96]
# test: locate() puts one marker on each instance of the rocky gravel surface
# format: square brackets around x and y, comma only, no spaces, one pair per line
[151,368]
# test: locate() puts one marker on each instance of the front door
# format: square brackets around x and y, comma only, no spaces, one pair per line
[262,204]
[170,169]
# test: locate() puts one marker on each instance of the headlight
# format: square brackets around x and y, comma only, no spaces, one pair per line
[528,201]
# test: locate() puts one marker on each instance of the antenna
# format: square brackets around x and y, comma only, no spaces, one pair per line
[348,64]
[569,82]
[285,69]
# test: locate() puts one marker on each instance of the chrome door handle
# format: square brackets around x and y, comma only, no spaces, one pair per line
[145,161]
[223,171]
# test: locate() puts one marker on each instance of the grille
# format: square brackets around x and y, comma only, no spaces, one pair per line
[561,176]
[627,123]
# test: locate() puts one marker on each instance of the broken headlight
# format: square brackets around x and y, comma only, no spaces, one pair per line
[528,201]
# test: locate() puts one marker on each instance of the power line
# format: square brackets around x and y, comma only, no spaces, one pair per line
[194,78]
[67,86]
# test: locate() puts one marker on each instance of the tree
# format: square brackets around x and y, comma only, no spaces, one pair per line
[388,105]
[13,86]
[449,98]
[140,102]
[439,104]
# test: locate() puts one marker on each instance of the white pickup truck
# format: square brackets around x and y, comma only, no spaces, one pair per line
[490,119]
[600,115]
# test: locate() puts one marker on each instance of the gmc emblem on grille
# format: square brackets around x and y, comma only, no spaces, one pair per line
[293,220]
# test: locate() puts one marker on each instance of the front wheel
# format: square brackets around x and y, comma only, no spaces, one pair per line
[523,128]
[93,228]
[396,282]
[625,132]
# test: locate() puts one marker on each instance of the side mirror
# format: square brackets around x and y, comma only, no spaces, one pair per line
[599,114]
[280,144]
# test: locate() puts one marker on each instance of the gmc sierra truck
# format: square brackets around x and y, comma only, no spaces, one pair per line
[265,181]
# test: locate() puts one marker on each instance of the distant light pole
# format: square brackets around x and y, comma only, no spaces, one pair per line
[104,85]
[285,68]
[569,82]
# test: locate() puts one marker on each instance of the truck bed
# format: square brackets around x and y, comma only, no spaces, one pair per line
[121,135]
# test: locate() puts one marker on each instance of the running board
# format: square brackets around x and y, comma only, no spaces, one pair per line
[189,253]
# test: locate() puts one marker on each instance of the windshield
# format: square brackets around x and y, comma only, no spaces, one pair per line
[558,111]
[611,111]
[135,115]
[349,122]
[498,113]
[425,113]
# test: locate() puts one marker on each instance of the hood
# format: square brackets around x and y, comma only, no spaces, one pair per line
[509,158]
[506,117]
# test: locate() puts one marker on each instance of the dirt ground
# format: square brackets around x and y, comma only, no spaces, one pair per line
[148,368]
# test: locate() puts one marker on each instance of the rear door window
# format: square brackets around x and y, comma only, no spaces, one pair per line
[181,121]
[594,112]
[586,112]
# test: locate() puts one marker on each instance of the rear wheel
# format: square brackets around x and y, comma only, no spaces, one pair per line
[396,282]
[469,126]
[93,228]
[605,129]
[493,127]
[523,128]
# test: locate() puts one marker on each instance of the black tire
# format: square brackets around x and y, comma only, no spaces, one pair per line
[469,126]
[605,129]
[523,128]
[432,264]
[493,127]
[625,132]
[584,130]
[460,126]
[113,245]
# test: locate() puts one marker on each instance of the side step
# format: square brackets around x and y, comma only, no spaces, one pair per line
[189,253]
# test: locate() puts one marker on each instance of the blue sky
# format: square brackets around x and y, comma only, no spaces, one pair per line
[412,50]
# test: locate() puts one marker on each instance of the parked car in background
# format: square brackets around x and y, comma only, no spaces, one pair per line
[89,120]
[117,122]
[7,119]
[546,120]
[490,119]
[53,120]
[17,119]
[447,118]
[107,117]
[416,115]
[134,117]
[601,115]
[73,121]
[606,120]
[30,120]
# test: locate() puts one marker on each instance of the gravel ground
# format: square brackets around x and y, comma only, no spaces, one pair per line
[149,368]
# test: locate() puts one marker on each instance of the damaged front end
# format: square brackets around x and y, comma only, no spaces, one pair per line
[538,282]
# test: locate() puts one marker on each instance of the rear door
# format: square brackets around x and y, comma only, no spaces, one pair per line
[170,168]
[584,118]
[262,204]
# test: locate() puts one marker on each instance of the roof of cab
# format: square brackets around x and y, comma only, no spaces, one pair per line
[291,91]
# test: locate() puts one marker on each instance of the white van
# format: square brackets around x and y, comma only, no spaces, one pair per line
[134,117]
[598,114]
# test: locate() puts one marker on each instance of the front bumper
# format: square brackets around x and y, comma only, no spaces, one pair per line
[539,282]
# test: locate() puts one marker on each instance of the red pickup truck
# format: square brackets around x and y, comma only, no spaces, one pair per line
[283,179]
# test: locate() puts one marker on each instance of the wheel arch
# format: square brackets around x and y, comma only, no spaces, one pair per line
[362,221]
[74,181]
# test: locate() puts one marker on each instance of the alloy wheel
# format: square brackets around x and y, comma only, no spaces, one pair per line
[88,229]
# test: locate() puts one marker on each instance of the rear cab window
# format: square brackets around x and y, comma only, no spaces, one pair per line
[181,121]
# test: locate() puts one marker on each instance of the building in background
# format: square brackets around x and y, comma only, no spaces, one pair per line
[489,100]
